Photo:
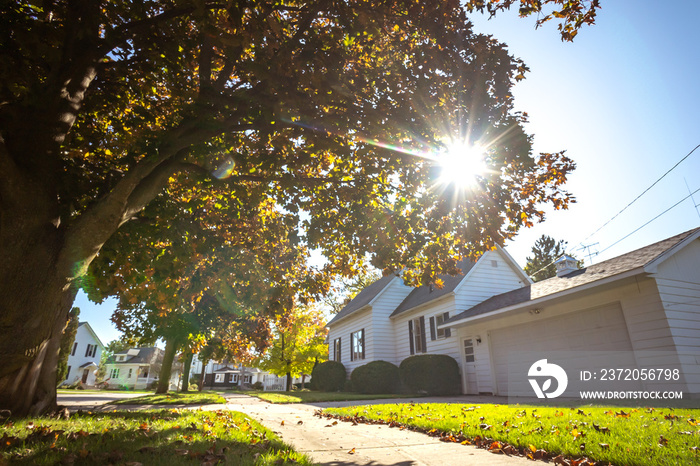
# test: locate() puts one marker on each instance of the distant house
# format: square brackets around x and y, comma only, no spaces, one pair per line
[644,301]
[135,368]
[84,357]
[232,374]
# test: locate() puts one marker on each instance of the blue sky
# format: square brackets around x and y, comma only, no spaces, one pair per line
[623,100]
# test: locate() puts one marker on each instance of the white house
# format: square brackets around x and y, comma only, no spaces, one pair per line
[136,368]
[232,374]
[645,304]
[84,357]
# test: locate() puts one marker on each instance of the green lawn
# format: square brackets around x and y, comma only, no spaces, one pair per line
[312,397]
[166,437]
[193,398]
[627,436]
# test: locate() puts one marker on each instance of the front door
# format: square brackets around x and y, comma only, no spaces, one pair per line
[469,367]
[86,372]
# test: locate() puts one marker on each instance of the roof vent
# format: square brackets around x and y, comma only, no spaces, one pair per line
[565,265]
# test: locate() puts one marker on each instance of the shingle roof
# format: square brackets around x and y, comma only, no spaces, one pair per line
[363,298]
[606,269]
[425,294]
[148,355]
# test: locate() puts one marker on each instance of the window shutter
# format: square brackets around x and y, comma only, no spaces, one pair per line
[422,327]
[340,349]
[352,348]
[410,336]
[432,328]
[75,347]
[362,336]
[88,350]
[448,333]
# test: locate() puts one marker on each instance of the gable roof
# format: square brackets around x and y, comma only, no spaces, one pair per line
[147,355]
[94,335]
[426,293]
[363,298]
[618,267]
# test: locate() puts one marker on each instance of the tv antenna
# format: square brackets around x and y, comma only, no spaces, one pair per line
[589,254]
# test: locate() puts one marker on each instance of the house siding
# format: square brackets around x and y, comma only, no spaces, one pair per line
[448,346]
[382,327]
[360,320]
[486,280]
[644,322]
[83,337]
[678,282]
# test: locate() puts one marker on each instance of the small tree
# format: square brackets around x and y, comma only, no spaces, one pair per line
[66,344]
[297,346]
[545,251]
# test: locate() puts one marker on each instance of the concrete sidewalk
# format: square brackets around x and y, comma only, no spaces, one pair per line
[343,444]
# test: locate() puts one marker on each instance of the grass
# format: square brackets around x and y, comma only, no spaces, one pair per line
[194,398]
[166,437]
[629,436]
[314,397]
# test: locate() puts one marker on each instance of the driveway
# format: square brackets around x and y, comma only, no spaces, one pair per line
[88,400]
[342,444]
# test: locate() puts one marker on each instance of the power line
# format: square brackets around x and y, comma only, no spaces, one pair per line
[626,207]
[635,231]
[643,193]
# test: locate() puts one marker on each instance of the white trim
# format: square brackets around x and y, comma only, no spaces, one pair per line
[424,306]
[94,335]
[653,265]
[359,311]
[549,297]
[376,297]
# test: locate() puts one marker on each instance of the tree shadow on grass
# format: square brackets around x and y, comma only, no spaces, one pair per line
[163,437]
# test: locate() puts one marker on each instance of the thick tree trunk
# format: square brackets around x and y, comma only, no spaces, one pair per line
[171,346]
[36,295]
[187,363]
[30,348]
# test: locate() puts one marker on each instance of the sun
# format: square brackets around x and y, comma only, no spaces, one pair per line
[461,163]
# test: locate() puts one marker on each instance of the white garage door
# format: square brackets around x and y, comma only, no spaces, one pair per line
[598,329]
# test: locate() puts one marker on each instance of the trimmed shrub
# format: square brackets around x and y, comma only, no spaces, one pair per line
[376,377]
[329,376]
[434,374]
[258,386]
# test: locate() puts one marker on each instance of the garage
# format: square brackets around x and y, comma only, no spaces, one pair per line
[601,328]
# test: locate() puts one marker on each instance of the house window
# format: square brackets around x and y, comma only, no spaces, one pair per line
[130,373]
[468,350]
[416,335]
[234,378]
[114,374]
[88,350]
[336,349]
[219,378]
[247,378]
[75,347]
[436,321]
[143,372]
[94,350]
[357,345]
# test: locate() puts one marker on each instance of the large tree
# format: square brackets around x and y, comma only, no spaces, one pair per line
[67,340]
[104,104]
